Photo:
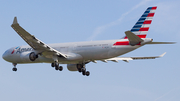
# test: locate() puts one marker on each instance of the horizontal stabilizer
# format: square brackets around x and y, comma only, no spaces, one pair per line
[133,39]
[161,43]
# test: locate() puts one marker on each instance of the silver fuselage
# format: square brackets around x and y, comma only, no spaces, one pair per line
[77,52]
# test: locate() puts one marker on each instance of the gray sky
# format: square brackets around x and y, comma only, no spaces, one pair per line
[71,21]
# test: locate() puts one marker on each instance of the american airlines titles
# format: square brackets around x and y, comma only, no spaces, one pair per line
[20,50]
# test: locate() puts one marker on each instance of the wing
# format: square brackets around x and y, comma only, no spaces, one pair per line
[35,43]
[126,59]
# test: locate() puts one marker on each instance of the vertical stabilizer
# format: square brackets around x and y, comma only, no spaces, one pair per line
[142,26]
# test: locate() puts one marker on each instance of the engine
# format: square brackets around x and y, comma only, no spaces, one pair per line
[33,56]
[72,67]
[28,56]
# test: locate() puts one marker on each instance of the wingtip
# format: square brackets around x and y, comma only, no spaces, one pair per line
[162,54]
[173,42]
[15,20]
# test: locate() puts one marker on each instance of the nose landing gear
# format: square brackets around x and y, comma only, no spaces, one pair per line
[14,68]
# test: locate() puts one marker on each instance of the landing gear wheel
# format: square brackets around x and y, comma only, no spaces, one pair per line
[56,68]
[60,68]
[84,73]
[14,69]
[87,73]
[52,64]
[56,65]
[79,70]
[79,67]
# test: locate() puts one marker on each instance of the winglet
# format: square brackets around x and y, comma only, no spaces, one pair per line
[15,21]
[162,54]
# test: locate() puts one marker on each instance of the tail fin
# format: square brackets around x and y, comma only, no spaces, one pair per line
[142,26]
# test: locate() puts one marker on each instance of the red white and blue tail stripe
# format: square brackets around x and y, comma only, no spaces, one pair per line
[142,26]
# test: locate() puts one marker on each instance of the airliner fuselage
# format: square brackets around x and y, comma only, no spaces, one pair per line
[77,52]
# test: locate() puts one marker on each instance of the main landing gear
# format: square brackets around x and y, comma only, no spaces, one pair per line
[14,68]
[81,68]
[56,65]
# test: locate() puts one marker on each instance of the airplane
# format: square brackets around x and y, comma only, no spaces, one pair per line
[77,54]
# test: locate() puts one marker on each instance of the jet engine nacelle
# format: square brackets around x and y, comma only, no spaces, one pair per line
[72,67]
[28,56]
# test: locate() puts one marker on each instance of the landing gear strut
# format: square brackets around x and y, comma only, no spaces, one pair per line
[56,65]
[81,68]
[52,65]
[14,68]
[87,73]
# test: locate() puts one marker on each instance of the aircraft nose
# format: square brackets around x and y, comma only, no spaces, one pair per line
[5,55]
